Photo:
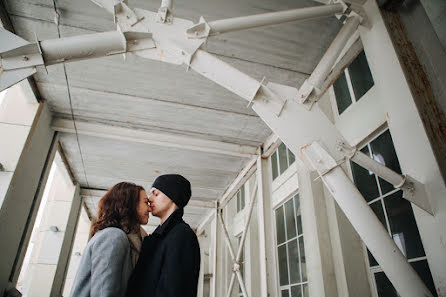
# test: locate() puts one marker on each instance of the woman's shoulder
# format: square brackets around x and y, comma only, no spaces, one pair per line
[110,233]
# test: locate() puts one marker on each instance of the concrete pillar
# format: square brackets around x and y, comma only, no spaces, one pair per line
[20,183]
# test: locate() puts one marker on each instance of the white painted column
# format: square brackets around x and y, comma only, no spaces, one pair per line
[318,254]
[20,183]
[67,245]
[215,253]
[80,242]
[269,286]
[348,253]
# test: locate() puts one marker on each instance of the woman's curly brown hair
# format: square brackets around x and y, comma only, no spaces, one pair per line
[118,209]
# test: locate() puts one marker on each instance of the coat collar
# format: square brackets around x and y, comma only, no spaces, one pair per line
[172,220]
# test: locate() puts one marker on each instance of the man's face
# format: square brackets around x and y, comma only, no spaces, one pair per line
[159,203]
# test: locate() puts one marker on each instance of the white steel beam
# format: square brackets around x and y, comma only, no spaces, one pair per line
[205,221]
[236,257]
[338,68]
[238,182]
[236,263]
[153,138]
[261,227]
[248,220]
[413,190]
[215,255]
[67,245]
[270,144]
[204,29]
[394,264]
[314,83]
[194,202]
[24,193]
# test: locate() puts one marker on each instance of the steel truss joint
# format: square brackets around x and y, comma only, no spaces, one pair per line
[199,30]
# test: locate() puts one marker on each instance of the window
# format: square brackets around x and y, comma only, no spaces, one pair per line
[353,83]
[290,250]
[241,199]
[394,212]
[242,262]
[281,160]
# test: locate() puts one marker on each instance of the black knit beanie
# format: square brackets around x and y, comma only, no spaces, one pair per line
[174,186]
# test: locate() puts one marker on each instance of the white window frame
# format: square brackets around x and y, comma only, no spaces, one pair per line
[334,103]
[276,245]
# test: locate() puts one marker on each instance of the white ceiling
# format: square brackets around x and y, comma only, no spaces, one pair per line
[159,97]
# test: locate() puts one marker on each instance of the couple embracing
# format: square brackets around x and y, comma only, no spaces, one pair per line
[121,260]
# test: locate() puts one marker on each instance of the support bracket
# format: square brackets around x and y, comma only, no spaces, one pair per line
[413,190]
[164,15]
[200,30]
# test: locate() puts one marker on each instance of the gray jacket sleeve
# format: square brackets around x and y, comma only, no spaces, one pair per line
[109,256]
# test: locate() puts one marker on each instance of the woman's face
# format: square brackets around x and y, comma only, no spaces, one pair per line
[143,208]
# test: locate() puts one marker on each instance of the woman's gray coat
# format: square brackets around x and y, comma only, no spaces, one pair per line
[105,266]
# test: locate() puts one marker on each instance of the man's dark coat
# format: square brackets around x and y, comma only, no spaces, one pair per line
[169,262]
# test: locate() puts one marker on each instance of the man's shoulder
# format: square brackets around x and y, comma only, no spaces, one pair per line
[182,229]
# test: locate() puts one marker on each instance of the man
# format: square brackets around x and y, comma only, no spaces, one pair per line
[169,261]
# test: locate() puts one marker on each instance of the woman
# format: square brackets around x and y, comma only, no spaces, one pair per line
[116,238]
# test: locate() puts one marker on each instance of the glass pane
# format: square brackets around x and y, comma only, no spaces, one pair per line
[424,272]
[283,266]
[360,75]
[403,226]
[280,225]
[342,94]
[296,291]
[285,293]
[298,217]
[372,260]
[305,289]
[293,260]
[275,169]
[290,220]
[303,266]
[379,211]
[291,157]
[365,180]
[283,162]
[383,151]
[384,286]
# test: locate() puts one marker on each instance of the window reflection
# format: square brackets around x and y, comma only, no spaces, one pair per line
[403,226]
[342,93]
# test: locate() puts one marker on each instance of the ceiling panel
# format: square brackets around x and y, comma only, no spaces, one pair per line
[154,96]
